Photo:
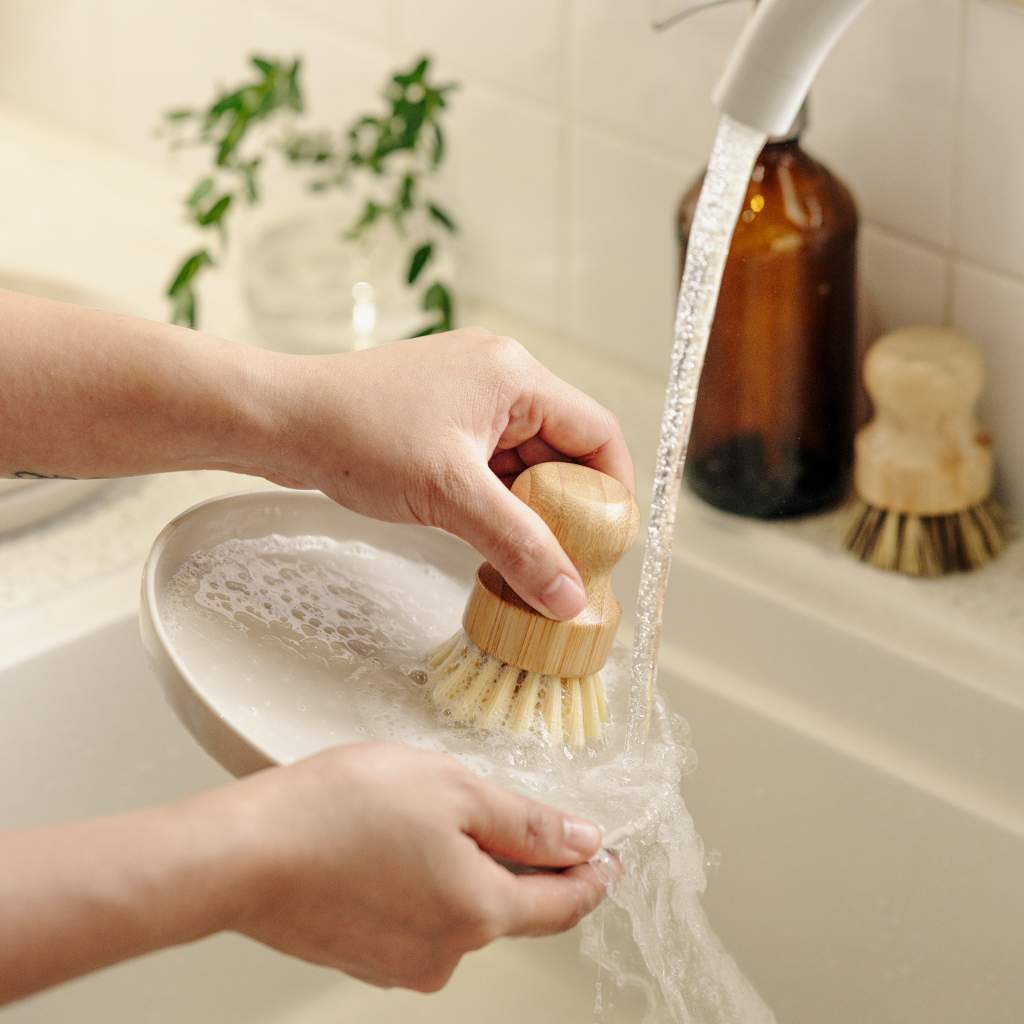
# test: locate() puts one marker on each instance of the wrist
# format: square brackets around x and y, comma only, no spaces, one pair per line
[218,858]
[303,417]
[239,407]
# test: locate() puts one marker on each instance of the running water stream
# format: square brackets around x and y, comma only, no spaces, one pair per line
[725,184]
[654,915]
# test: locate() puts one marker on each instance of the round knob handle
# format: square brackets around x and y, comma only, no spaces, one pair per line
[921,376]
[592,515]
[923,453]
[594,518]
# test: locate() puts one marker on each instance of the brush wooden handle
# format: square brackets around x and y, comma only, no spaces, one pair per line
[594,518]
[924,453]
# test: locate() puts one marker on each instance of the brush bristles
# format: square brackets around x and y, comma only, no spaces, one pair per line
[927,545]
[476,689]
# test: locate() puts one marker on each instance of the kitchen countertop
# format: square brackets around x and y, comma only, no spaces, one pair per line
[108,224]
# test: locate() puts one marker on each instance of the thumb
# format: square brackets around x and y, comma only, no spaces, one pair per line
[514,828]
[519,544]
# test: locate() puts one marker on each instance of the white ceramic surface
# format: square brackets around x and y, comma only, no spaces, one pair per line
[213,703]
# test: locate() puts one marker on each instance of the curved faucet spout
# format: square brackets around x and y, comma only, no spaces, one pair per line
[777,58]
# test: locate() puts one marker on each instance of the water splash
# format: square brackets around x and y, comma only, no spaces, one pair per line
[732,160]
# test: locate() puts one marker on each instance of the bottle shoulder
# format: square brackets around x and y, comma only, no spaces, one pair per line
[792,201]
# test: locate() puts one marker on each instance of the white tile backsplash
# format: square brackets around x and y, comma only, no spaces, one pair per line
[990,147]
[342,74]
[199,45]
[903,48]
[901,283]
[503,183]
[623,253]
[648,86]
[515,45]
[43,70]
[375,20]
[895,154]
[990,310]
[576,128]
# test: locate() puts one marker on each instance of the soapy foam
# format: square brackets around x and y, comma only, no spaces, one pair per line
[342,629]
[312,641]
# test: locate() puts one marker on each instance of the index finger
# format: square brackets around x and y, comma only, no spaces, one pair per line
[580,427]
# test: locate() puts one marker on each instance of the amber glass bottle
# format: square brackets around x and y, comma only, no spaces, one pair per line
[773,427]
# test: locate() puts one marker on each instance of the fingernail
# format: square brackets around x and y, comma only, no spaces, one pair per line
[582,836]
[607,867]
[564,598]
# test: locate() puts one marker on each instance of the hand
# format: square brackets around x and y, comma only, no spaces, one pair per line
[429,431]
[373,859]
[434,431]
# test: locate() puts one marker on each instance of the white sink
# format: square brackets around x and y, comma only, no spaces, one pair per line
[84,731]
[856,884]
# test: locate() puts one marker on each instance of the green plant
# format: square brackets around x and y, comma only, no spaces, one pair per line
[398,149]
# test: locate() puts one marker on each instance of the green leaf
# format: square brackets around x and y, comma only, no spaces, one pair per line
[183,311]
[214,214]
[190,266]
[420,258]
[413,76]
[181,114]
[267,66]
[427,329]
[405,192]
[252,190]
[442,217]
[371,211]
[437,150]
[439,299]
[230,101]
[232,138]
[200,192]
[295,98]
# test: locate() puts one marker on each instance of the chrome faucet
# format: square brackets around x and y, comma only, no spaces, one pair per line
[776,58]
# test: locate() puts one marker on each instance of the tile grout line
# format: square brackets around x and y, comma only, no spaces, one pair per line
[948,254]
[953,254]
[563,186]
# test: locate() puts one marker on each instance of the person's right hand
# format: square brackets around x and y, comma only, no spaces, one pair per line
[375,859]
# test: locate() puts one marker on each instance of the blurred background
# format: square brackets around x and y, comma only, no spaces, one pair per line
[573,134]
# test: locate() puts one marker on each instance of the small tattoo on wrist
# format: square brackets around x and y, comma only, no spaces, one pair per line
[29,474]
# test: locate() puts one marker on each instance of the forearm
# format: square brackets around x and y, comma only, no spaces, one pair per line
[75,898]
[91,394]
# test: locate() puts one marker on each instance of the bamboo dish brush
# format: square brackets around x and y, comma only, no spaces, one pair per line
[923,466]
[511,667]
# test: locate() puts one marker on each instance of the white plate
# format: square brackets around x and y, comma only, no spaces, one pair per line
[216,702]
[26,502]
